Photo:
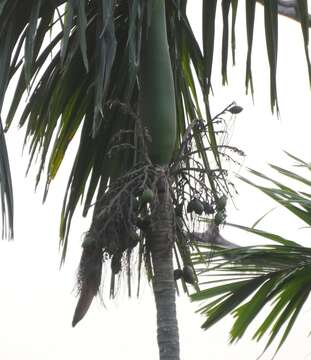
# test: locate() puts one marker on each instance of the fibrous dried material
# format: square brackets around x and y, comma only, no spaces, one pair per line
[89,276]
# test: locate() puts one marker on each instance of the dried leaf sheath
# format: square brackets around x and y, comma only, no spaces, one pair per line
[89,276]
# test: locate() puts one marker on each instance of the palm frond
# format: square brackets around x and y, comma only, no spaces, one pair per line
[87,72]
[69,83]
[7,205]
[273,277]
[78,62]
[250,22]
[302,9]
[208,35]
[256,278]
[271,30]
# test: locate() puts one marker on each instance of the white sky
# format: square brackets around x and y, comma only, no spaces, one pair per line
[37,301]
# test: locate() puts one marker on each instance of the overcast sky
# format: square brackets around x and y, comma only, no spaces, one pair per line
[37,300]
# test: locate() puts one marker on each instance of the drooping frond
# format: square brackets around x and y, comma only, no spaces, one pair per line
[84,77]
[79,63]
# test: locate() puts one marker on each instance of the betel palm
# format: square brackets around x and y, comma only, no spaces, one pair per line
[121,75]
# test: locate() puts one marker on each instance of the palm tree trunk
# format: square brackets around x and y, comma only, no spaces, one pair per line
[161,238]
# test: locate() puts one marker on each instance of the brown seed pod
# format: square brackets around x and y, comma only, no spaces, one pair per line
[189,275]
[236,109]
[195,205]
[178,274]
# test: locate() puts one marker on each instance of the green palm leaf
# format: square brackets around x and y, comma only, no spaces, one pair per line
[271,29]
[225,39]
[234,4]
[274,277]
[302,6]
[95,51]
[250,21]
[86,80]
[6,192]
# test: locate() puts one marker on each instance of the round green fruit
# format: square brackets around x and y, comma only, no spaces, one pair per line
[147,196]
[221,203]
[220,217]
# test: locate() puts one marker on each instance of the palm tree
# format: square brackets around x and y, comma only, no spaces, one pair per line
[127,76]
[274,276]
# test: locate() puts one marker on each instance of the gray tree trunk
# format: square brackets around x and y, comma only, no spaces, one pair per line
[161,239]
